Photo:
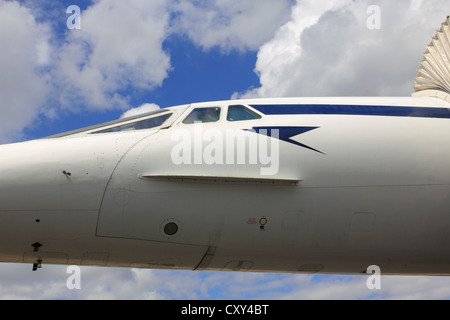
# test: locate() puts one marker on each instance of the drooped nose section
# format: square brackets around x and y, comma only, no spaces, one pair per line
[57,174]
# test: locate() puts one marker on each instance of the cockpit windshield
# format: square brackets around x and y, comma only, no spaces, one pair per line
[138,125]
[139,122]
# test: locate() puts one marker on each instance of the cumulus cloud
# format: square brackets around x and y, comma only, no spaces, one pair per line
[230,24]
[118,46]
[26,51]
[328,50]
[17,281]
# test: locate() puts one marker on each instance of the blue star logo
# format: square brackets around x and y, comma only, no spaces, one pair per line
[286,134]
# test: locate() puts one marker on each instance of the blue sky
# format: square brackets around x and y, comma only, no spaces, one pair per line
[171,52]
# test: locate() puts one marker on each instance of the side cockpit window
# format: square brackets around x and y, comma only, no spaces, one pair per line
[241,113]
[203,115]
[138,125]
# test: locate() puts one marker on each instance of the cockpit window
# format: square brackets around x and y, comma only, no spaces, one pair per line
[241,113]
[203,115]
[139,125]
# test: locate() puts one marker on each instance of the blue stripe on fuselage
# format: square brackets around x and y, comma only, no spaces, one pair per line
[357,110]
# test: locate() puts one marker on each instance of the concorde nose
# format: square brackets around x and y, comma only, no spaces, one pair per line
[37,175]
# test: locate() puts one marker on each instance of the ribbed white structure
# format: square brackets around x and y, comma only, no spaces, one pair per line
[434,70]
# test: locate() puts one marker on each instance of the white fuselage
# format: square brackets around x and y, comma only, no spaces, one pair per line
[347,183]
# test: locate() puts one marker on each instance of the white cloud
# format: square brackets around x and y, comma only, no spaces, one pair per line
[230,24]
[118,46]
[17,281]
[147,107]
[25,52]
[328,50]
